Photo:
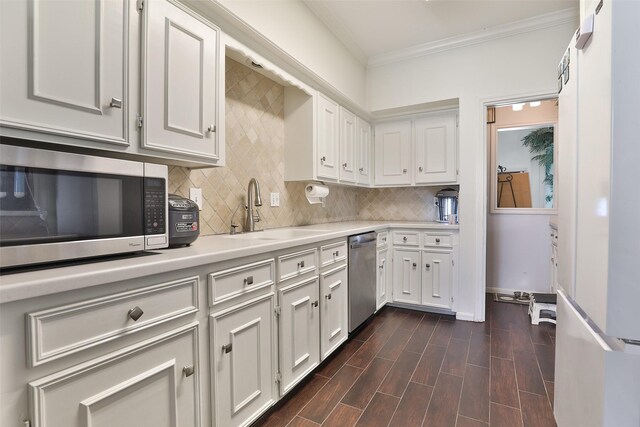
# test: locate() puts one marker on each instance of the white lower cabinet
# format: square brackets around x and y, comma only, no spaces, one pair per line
[243,360]
[407,287]
[299,331]
[436,279]
[335,309]
[382,281]
[153,383]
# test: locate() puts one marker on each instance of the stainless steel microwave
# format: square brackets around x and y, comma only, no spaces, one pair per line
[58,206]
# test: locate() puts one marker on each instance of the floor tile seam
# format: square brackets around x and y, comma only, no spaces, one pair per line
[376,390]
[294,418]
[541,377]
[502,404]
[501,358]
[474,419]
[547,390]
[518,392]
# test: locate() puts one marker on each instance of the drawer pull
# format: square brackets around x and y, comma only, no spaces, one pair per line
[211,128]
[336,253]
[188,371]
[415,265]
[328,296]
[428,266]
[301,264]
[437,240]
[227,348]
[404,239]
[315,303]
[135,313]
[381,266]
[115,103]
[248,280]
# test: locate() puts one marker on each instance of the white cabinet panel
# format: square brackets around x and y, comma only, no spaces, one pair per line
[243,364]
[383,280]
[64,67]
[335,309]
[143,384]
[347,146]
[435,142]
[328,134]
[393,153]
[299,332]
[436,279]
[363,152]
[406,276]
[181,87]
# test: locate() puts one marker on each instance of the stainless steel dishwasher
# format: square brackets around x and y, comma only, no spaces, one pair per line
[362,278]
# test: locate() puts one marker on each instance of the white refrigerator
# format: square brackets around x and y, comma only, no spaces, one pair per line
[598,320]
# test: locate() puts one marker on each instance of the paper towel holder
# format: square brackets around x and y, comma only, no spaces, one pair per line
[316,198]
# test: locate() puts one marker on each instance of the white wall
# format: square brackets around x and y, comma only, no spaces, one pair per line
[503,68]
[296,30]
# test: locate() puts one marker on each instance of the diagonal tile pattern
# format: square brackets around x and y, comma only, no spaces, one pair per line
[255,148]
[445,375]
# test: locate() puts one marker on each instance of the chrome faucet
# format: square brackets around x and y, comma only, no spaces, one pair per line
[250,223]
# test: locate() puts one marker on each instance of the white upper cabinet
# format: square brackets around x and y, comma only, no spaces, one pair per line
[363,152]
[64,68]
[347,146]
[328,134]
[180,90]
[393,153]
[435,144]
[417,150]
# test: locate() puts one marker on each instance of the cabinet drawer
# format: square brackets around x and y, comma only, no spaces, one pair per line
[444,240]
[406,238]
[235,281]
[382,239]
[332,253]
[295,264]
[61,331]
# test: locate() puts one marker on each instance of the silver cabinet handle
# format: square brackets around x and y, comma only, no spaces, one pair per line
[336,253]
[404,171]
[328,296]
[381,266]
[135,313]
[301,264]
[344,165]
[420,169]
[227,348]
[315,303]
[323,159]
[404,239]
[115,103]
[428,266]
[188,370]
[211,128]
[415,265]
[437,240]
[361,169]
[248,280]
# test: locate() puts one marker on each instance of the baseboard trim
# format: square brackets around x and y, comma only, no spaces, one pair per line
[465,316]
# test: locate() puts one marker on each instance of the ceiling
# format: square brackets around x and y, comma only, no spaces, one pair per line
[370,28]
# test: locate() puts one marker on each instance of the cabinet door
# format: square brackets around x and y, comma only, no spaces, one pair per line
[436,279]
[181,83]
[393,153]
[554,268]
[327,154]
[64,68]
[347,146]
[381,282]
[243,363]
[435,139]
[406,276]
[153,383]
[335,309]
[363,152]
[299,332]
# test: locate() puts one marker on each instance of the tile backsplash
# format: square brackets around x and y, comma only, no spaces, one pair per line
[255,148]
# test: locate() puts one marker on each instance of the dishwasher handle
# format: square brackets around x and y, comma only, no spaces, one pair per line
[363,244]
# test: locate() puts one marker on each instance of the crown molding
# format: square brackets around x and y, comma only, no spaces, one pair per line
[540,22]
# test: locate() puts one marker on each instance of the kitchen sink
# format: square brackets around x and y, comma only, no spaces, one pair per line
[276,234]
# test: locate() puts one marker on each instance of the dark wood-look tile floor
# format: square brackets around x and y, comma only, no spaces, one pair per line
[408,368]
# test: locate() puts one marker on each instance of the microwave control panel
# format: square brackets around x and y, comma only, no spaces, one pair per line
[155,206]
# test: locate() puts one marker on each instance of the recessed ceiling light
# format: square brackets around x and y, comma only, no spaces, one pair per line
[518,107]
[534,104]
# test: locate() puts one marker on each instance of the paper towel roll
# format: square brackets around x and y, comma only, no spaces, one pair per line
[316,192]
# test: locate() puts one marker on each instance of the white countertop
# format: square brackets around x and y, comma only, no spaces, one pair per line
[205,250]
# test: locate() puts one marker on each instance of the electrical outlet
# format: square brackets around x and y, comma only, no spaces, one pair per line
[275,199]
[195,194]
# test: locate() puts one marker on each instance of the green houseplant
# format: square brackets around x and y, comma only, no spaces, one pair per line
[540,143]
